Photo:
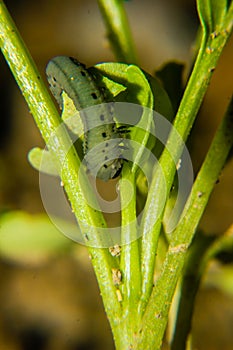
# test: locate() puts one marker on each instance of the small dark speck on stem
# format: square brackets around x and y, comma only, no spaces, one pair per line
[211,70]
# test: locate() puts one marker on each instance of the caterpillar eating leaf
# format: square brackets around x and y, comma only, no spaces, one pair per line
[103,143]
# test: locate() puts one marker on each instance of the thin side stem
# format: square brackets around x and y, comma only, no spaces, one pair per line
[130,256]
[118,30]
[156,313]
[206,62]
[203,249]
[193,271]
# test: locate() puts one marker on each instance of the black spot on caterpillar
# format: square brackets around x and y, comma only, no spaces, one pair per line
[103,158]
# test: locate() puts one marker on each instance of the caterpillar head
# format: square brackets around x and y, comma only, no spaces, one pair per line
[105,160]
[102,168]
[110,170]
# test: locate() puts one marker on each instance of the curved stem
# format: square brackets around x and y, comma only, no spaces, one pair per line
[156,313]
[130,256]
[49,123]
[193,271]
[119,34]
[206,62]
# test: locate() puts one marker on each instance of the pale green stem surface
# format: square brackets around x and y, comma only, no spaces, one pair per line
[204,67]
[48,120]
[156,314]
[130,256]
[118,30]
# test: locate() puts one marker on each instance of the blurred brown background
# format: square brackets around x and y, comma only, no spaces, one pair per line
[56,304]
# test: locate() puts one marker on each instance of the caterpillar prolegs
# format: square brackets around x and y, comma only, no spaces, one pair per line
[103,143]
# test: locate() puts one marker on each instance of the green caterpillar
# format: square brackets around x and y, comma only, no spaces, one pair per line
[103,143]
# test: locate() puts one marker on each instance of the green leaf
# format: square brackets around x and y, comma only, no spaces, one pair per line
[132,87]
[162,103]
[141,133]
[110,87]
[30,238]
[115,77]
[42,160]
[137,87]
[212,14]
[119,77]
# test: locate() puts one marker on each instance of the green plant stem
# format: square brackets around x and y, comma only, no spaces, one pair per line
[193,271]
[206,62]
[119,34]
[203,249]
[48,120]
[156,313]
[130,256]
[223,243]
[151,225]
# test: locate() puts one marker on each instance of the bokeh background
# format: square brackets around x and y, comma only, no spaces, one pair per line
[49,299]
